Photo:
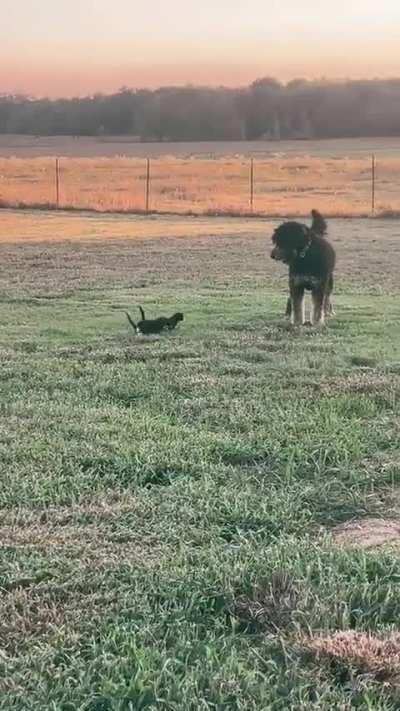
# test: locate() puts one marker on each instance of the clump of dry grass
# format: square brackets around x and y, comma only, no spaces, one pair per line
[271,605]
[361,653]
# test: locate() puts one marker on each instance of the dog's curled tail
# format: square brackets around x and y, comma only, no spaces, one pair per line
[319,226]
[142,313]
[133,324]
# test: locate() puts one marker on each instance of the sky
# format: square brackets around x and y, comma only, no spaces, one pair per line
[77,47]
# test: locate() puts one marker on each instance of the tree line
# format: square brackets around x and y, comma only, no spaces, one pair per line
[266,109]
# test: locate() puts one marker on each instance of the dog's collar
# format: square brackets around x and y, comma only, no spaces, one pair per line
[304,251]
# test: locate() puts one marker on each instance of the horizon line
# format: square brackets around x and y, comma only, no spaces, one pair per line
[191,85]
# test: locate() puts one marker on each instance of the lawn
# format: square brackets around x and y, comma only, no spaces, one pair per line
[172,508]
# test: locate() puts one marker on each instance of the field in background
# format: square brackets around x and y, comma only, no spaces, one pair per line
[20,146]
[285,181]
[169,506]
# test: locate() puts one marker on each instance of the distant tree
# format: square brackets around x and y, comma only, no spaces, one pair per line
[265,109]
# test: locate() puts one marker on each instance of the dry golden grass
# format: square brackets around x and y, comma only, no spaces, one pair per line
[53,252]
[32,226]
[283,185]
[378,657]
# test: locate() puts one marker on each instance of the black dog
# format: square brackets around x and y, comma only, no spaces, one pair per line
[319,227]
[148,327]
[311,259]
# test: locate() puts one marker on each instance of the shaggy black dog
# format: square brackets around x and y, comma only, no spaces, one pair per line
[319,227]
[311,260]
[148,327]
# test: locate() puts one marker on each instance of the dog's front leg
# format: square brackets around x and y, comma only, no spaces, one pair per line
[288,311]
[297,298]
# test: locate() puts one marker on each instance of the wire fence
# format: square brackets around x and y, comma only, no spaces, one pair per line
[347,186]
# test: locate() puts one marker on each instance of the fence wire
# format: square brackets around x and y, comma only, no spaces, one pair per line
[238,185]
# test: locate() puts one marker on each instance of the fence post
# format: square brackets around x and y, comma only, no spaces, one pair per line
[57,183]
[147,184]
[251,184]
[373,185]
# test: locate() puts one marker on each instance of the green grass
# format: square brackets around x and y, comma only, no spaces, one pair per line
[150,485]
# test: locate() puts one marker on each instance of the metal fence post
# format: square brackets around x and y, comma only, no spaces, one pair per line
[147,184]
[373,185]
[57,183]
[251,184]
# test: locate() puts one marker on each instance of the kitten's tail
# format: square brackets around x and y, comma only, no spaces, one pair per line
[142,313]
[133,324]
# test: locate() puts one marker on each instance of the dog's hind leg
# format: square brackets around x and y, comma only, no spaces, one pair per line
[297,311]
[328,306]
[318,309]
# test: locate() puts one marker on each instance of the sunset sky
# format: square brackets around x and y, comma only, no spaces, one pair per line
[74,47]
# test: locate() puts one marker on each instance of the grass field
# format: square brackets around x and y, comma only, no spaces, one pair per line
[25,146]
[286,182]
[172,508]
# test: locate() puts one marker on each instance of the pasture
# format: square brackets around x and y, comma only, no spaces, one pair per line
[172,508]
[25,146]
[289,177]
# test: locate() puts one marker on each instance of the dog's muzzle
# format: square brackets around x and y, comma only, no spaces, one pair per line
[278,255]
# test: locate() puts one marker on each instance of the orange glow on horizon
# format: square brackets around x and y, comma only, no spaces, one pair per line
[62,80]
[79,47]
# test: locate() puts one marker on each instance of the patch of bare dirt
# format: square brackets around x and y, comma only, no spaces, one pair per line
[377,657]
[368,533]
[43,614]
[360,383]
[99,508]
[63,563]
[81,534]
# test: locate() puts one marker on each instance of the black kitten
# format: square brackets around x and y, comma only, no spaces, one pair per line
[148,327]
